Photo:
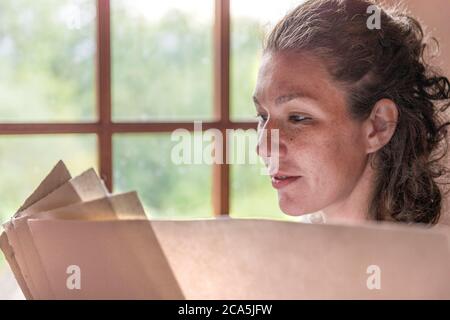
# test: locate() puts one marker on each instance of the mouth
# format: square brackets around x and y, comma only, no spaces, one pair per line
[281,181]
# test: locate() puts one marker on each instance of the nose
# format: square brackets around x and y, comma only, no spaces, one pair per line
[270,141]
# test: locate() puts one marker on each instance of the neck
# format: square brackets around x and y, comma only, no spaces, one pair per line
[354,208]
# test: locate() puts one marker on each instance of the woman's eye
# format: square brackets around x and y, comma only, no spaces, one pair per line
[297,118]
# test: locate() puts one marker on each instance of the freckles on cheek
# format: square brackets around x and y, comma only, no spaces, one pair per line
[343,159]
[322,154]
[328,160]
[299,135]
[299,145]
[304,151]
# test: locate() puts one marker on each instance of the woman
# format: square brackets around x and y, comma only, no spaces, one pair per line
[359,114]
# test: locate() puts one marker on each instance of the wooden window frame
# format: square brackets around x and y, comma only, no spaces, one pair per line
[105,127]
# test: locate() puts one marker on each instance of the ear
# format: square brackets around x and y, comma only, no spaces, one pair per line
[381,124]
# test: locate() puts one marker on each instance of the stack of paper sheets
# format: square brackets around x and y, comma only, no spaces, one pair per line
[71,239]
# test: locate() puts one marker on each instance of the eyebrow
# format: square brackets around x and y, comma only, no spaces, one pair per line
[285,98]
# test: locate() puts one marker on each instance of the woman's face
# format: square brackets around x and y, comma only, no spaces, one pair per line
[321,149]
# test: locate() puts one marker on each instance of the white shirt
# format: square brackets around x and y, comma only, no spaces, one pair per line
[316,218]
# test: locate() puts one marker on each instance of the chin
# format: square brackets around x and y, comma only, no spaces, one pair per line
[291,209]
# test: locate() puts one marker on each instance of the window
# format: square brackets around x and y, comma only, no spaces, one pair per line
[161,59]
[166,189]
[103,83]
[47,57]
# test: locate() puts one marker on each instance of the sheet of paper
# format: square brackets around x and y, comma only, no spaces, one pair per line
[262,259]
[112,207]
[242,259]
[84,187]
[8,252]
[116,259]
[57,176]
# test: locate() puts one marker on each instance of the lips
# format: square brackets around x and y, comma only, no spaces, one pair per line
[280,181]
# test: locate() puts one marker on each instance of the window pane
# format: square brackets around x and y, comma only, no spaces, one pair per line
[252,194]
[25,160]
[250,21]
[47,50]
[161,59]
[143,162]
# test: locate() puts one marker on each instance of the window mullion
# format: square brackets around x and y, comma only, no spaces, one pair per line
[221,176]
[103,91]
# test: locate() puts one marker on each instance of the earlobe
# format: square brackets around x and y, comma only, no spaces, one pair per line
[381,124]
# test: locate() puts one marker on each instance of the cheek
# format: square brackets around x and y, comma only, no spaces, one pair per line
[341,164]
[331,159]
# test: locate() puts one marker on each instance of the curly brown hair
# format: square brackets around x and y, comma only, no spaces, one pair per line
[373,64]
